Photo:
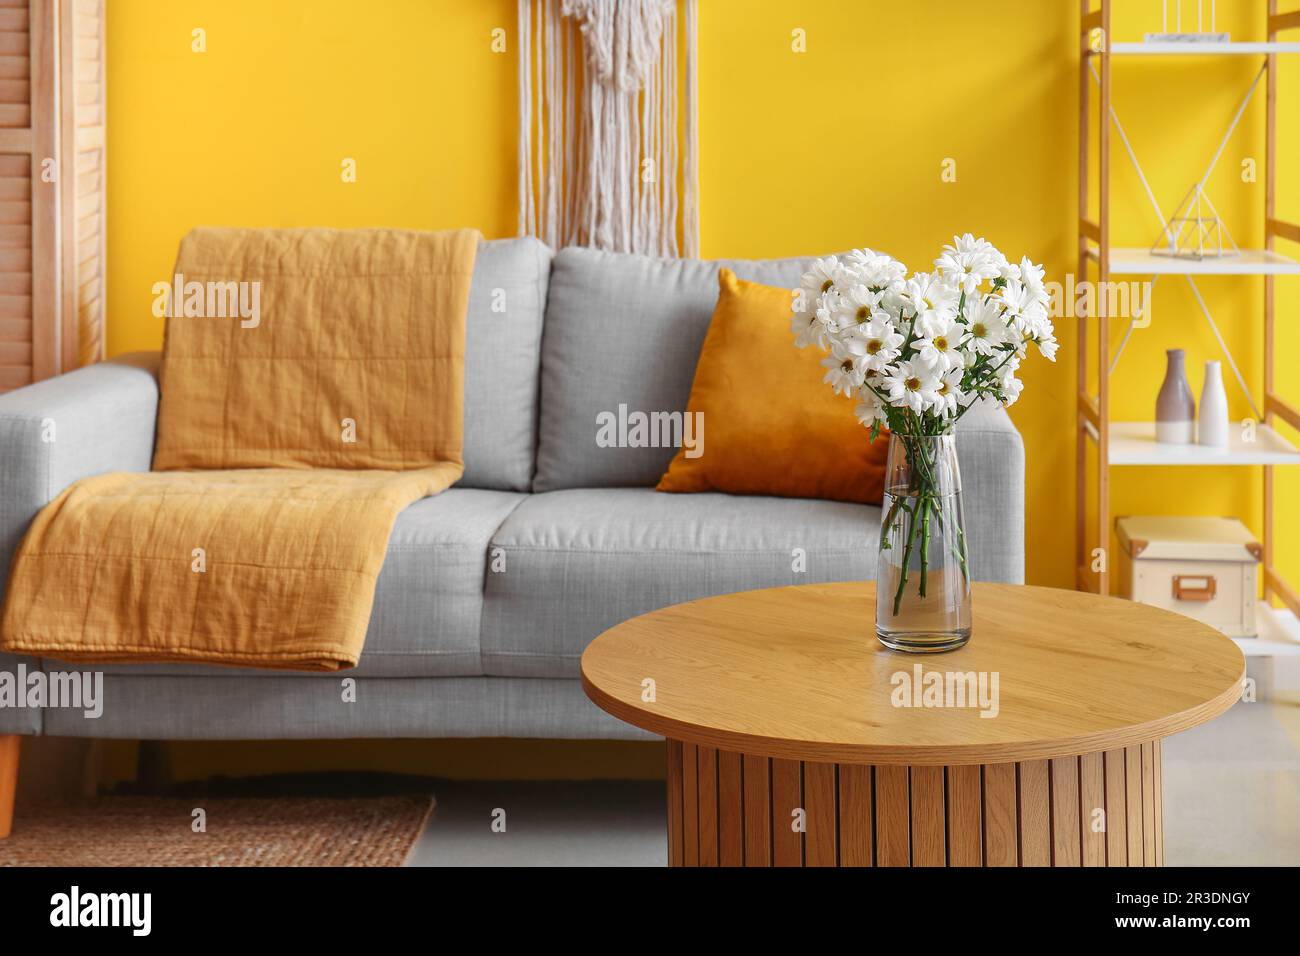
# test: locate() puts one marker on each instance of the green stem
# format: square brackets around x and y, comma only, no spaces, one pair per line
[887,525]
[922,488]
[907,559]
[957,547]
[926,506]
[925,486]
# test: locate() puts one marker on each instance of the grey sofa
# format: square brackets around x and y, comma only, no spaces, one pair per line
[491,590]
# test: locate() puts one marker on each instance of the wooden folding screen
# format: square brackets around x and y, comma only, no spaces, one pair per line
[81,83]
[51,187]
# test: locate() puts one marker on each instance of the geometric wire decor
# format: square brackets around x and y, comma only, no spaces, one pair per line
[1195,230]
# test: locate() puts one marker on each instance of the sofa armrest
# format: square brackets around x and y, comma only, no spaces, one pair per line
[992,461]
[94,420]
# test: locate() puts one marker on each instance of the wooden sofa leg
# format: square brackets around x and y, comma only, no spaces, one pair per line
[8,781]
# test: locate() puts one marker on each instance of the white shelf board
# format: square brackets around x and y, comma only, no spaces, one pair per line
[1200,48]
[1273,658]
[1279,634]
[1134,443]
[1247,262]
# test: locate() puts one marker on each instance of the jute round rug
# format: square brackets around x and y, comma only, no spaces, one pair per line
[211,831]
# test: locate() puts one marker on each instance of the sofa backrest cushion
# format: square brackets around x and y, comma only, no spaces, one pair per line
[624,330]
[503,334]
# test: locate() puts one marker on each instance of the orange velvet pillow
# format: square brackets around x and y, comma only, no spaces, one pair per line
[771,426]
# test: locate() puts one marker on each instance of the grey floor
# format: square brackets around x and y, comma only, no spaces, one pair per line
[1232,789]
[590,823]
[1232,798]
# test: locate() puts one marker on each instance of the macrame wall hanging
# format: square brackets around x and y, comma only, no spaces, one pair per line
[599,91]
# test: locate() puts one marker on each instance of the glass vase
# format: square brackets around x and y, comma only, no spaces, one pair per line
[922,573]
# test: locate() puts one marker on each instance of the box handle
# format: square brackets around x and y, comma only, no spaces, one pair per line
[1195,587]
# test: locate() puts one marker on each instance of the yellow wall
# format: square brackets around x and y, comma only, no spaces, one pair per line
[253,132]
[812,152]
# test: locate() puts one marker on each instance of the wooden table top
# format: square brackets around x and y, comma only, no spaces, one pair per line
[797,672]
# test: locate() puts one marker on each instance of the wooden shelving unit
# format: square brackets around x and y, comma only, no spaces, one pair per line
[1120,444]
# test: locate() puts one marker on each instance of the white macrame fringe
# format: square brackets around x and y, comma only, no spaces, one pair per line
[691,165]
[598,133]
[527,221]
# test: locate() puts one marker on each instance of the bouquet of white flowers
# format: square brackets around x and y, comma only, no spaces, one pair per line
[917,353]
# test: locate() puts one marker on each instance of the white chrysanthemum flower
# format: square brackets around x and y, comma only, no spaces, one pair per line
[870,408]
[1019,342]
[1033,276]
[877,342]
[1009,386]
[940,346]
[805,329]
[845,372]
[912,385]
[1038,319]
[856,305]
[1024,308]
[929,297]
[824,276]
[827,320]
[1048,346]
[968,262]
[985,325]
[894,300]
[875,269]
[951,396]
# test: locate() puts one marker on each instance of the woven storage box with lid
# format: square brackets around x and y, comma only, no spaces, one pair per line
[1206,568]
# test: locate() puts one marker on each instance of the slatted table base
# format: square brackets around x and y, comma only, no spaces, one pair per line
[730,809]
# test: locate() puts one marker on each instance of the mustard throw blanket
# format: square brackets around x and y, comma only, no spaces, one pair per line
[290,435]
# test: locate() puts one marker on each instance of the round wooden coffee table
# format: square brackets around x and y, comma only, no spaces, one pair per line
[796,739]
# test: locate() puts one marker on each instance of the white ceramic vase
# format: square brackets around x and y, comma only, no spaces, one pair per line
[1212,428]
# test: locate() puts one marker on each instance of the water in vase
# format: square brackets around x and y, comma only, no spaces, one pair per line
[923,597]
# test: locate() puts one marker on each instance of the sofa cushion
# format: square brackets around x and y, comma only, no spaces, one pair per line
[428,601]
[579,561]
[624,330]
[503,334]
[774,427]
